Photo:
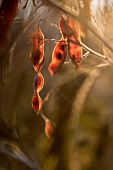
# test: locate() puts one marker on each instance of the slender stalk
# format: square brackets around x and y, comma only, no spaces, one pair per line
[53,25]
[76,114]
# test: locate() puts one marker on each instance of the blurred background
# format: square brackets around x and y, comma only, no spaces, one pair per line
[80,102]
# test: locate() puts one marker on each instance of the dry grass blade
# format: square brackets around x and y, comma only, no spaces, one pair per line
[75,116]
[12,149]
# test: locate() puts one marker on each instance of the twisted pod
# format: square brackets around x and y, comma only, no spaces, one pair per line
[37,57]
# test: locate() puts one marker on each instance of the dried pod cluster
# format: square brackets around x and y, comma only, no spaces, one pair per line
[68,44]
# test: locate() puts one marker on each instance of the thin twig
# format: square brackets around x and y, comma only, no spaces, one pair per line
[48,40]
[45,100]
[85,55]
[102,65]
[51,24]
[64,96]
[44,117]
[96,53]
[51,91]
[96,22]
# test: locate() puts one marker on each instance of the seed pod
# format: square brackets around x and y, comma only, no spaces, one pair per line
[35,83]
[58,56]
[37,57]
[75,50]
[36,101]
[37,54]
[49,128]
[71,29]
[40,82]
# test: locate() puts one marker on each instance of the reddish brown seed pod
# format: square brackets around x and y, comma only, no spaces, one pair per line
[36,101]
[40,102]
[75,50]
[58,56]
[35,82]
[37,38]
[37,57]
[37,54]
[40,82]
[38,85]
[49,128]
[72,30]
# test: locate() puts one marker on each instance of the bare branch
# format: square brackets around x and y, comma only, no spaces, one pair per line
[96,53]
[51,24]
